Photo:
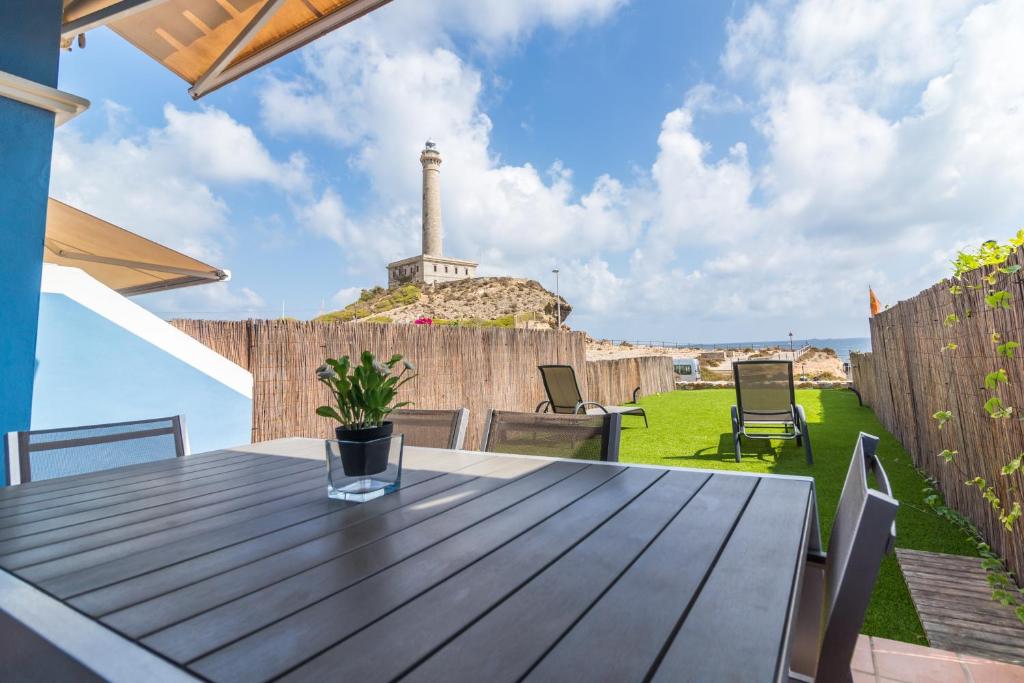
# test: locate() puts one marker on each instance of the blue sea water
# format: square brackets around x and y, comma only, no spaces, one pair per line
[842,346]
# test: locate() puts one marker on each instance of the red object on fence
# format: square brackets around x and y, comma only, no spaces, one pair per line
[423,321]
[876,305]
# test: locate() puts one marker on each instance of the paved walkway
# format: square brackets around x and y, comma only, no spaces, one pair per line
[877,660]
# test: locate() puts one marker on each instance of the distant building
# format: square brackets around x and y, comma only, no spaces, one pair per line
[431,266]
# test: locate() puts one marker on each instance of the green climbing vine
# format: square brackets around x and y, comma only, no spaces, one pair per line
[991,272]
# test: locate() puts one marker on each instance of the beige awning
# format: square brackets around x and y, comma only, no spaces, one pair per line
[212,42]
[122,260]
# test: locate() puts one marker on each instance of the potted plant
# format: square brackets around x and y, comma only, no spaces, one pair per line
[364,395]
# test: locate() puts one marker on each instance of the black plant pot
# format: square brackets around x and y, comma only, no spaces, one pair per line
[364,453]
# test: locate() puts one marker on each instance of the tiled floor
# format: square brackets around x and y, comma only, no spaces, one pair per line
[877,660]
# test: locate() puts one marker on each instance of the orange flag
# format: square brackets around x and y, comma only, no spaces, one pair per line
[876,305]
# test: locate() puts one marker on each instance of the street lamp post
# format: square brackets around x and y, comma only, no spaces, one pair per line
[558,300]
[791,344]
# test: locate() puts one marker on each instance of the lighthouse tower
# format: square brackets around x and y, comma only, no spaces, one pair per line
[430,159]
[431,266]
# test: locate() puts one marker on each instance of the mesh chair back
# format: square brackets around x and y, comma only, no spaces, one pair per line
[431,428]
[50,453]
[862,533]
[562,388]
[581,437]
[764,390]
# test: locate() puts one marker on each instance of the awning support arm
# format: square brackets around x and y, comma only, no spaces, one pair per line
[258,21]
[214,275]
[76,22]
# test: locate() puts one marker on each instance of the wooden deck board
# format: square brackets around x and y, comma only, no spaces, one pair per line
[953,599]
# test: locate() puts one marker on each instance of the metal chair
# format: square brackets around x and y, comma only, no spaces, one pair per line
[837,585]
[51,453]
[431,428]
[766,401]
[564,395]
[580,437]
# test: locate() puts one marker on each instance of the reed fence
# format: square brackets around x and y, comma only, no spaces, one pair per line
[908,377]
[613,381]
[474,368]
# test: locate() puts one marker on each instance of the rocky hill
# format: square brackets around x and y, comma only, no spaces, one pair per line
[477,302]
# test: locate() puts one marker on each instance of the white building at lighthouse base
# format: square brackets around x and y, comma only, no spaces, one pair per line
[429,270]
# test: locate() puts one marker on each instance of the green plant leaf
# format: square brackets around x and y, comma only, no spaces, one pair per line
[1006,349]
[1009,519]
[998,299]
[994,407]
[948,455]
[942,417]
[1013,465]
[994,379]
[951,320]
[327,411]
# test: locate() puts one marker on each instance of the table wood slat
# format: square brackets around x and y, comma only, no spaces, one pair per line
[59,565]
[527,620]
[13,495]
[652,595]
[207,632]
[235,566]
[184,497]
[279,556]
[205,467]
[50,562]
[598,492]
[744,604]
[144,579]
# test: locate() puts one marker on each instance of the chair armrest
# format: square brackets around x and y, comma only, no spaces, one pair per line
[543,404]
[584,404]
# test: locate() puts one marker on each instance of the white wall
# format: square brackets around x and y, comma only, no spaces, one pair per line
[102,358]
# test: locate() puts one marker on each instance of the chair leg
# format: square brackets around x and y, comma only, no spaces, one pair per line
[736,433]
[807,447]
[644,413]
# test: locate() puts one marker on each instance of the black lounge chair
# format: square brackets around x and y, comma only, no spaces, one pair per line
[837,585]
[766,402]
[431,428]
[564,395]
[580,437]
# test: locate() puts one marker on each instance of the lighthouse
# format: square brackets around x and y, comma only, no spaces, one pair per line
[431,266]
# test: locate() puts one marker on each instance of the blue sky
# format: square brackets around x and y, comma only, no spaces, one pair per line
[698,171]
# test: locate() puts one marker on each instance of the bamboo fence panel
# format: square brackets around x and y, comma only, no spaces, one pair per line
[612,382]
[908,377]
[457,367]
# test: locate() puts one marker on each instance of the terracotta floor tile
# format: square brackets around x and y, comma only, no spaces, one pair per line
[916,664]
[993,672]
[862,656]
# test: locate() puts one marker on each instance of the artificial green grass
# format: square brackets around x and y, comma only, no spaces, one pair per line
[693,429]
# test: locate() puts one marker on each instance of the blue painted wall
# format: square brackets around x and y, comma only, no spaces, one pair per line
[93,371]
[29,41]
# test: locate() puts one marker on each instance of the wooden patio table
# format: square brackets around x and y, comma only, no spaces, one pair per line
[235,566]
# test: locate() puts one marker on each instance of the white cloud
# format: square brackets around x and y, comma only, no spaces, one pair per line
[891,135]
[358,93]
[162,182]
